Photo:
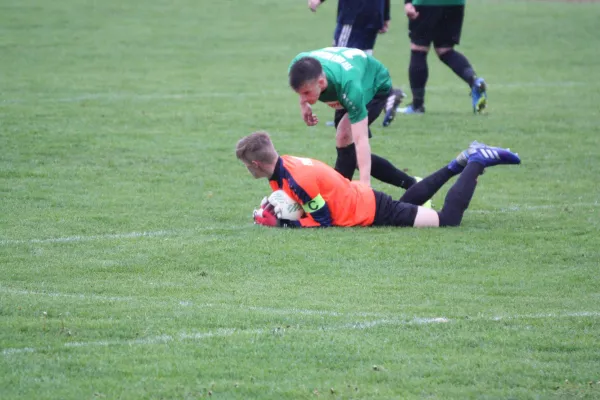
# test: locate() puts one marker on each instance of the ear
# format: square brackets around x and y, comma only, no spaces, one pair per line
[322,81]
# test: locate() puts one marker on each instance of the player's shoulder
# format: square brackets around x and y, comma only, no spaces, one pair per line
[296,161]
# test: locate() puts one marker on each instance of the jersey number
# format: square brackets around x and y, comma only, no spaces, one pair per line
[340,57]
[349,53]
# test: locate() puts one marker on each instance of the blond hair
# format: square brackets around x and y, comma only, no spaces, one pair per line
[256,147]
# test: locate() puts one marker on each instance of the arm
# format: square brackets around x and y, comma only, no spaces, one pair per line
[307,114]
[386,11]
[313,4]
[316,215]
[410,10]
[355,104]
[360,136]
[386,17]
[304,187]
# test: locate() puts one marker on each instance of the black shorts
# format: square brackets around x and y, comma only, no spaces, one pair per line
[438,24]
[390,212]
[374,109]
[354,36]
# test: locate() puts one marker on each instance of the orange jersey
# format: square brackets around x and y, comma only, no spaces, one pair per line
[327,197]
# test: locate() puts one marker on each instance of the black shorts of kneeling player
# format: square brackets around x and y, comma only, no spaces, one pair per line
[374,109]
[440,25]
[390,212]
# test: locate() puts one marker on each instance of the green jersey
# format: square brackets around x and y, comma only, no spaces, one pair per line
[438,2]
[353,79]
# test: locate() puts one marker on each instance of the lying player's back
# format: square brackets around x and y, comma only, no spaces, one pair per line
[316,184]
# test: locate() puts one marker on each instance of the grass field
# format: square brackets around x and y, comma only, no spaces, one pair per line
[129,266]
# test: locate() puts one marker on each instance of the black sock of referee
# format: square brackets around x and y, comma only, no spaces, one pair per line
[424,190]
[383,170]
[460,194]
[460,65]
[418,72]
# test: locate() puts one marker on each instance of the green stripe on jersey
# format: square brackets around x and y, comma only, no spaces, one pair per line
[314,205]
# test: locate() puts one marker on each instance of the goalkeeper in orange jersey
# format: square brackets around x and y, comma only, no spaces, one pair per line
[329,199]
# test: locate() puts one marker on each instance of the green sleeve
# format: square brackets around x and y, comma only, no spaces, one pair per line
[352,98]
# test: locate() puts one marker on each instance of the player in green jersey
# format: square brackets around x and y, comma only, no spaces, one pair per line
[358,86]
[438,22]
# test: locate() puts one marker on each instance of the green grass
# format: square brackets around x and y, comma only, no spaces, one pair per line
[129,266]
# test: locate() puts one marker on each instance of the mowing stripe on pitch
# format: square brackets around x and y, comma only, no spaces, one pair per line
[228,332]
[151,234]
[113,97]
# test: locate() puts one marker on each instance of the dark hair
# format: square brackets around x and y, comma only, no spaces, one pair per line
[304,70]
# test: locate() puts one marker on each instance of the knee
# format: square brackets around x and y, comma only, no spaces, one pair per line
[422,49]
[343,140]
[343,135]
[443,50]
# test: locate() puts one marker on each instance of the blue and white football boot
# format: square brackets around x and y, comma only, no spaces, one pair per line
[489,156]
[483,154]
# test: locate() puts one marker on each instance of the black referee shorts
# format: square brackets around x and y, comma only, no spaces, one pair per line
[440,25]
[390,212]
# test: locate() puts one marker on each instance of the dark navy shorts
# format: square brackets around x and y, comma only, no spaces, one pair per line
[390,212]
[440,25]
[354,36]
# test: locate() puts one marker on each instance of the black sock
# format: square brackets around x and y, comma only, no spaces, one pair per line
[424,190]
[418,73]
[460,65]
[460,194]
[346,162]
[383,170]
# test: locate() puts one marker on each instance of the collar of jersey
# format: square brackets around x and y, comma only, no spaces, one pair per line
[277,172]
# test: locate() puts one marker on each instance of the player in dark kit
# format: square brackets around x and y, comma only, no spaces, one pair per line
[358,24]
[438,22]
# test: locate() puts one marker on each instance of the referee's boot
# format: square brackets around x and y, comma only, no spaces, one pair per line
[479,95]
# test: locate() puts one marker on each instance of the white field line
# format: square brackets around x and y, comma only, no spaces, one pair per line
[118,236]
[279,311]
[262,93]
[525,208]
[228,332]
[580,314]
[66,295]
[271,310]
[78,238]
[188,303]
[150,234]
[297,311]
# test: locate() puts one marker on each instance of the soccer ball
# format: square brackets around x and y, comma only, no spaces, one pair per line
[284,206]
